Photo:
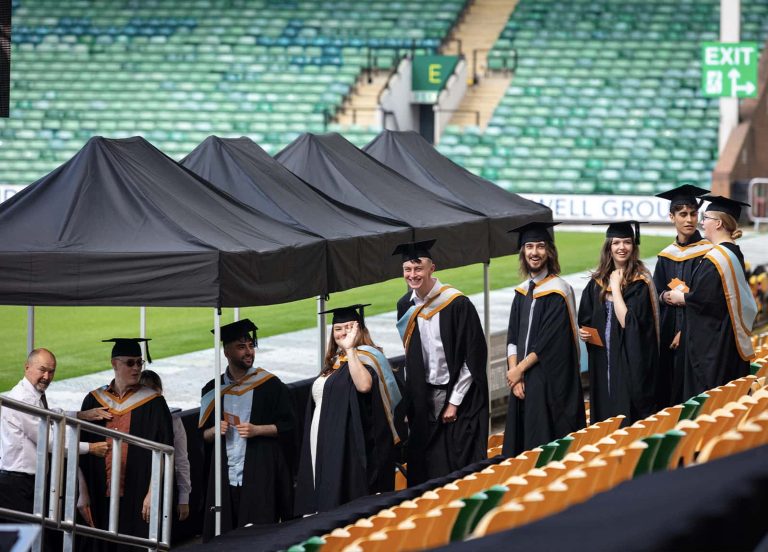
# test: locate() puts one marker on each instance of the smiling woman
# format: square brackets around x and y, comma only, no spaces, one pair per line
[620,303]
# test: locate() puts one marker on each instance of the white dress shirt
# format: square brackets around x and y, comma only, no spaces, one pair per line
[433,352]
[18,431]
[240,406]
[511,347]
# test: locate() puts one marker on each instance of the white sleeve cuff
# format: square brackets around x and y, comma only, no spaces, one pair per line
[511,349]
[462,386]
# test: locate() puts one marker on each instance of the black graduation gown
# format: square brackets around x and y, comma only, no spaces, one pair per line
[267,490]
[669,379]
[354,446]
[634,355]
[434,450]
[152,421]
[554,402]
[712,358]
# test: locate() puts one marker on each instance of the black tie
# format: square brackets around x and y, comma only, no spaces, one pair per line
[525,314]
[44,401]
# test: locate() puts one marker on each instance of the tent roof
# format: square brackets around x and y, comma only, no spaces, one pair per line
[359,244]
[123,224]
[340,170]
[416,159]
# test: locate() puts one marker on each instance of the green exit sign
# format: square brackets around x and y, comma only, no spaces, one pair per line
[729,69]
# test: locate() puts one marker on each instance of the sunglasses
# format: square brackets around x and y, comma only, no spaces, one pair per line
[130,363]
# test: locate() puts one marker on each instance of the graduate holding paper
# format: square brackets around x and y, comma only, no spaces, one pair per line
[620,303]
[257,430]
[674,268]
[546,401]
[720,307]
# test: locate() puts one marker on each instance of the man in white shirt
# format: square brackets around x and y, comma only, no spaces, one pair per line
[18,432]
[445,363]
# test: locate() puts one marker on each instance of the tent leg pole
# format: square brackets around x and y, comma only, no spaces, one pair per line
[321,330]
[143,329]
[236,314]
[487,329]
[217,417]
[30,328]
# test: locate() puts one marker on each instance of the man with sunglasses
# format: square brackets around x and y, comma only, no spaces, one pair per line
[138,410]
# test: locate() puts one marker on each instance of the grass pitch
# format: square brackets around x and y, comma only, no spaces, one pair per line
[74,333]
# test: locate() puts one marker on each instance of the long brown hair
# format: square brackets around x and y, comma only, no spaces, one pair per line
[602,274]
[553,264]
[332,350]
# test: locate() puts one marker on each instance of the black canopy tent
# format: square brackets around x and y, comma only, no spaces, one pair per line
[358,243]
[338,169]
[123,224]
[416,159]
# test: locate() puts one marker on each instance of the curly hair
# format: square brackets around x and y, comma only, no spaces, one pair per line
[553,263]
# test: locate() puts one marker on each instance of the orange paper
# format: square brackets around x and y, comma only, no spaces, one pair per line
[231,419]
[594,336]
[678,284]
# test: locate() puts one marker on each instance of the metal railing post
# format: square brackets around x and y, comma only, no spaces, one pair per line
[168,470]
[43,429]
[70,500]
[114,484]
[154,507]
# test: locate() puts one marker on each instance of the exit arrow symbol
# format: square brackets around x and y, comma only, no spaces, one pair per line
[748,87]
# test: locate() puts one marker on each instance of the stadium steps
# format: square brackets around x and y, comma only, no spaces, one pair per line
[360,106]
[479,29]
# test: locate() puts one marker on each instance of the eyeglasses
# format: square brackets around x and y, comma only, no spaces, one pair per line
[705,217]
[130,363]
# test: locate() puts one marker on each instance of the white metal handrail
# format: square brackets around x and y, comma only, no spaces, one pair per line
[61,424]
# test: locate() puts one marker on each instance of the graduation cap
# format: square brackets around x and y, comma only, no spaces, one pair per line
[725,205]
[236,330]
[348,314]
[128,346]
[414,250]
[623,229]
[534,232]
[686,194]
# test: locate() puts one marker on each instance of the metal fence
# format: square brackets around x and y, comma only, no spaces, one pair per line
[52,443]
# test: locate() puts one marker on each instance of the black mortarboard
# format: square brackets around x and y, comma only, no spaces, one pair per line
[128,346]
[414,250]
[534,232]
[348,314]
[236,330]
[725,205]
[622,229]
[686,194]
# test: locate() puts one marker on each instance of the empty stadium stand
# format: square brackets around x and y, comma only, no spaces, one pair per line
[176,72]
[605,97]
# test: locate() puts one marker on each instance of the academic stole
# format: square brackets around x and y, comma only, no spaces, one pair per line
[680,253]
[555,284]
[427,310]
[645,277]
[248,383]
[122,405]
[742,308]
[388,389]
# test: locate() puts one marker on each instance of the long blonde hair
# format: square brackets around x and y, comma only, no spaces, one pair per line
[635,267]
[332,350]
[729,223]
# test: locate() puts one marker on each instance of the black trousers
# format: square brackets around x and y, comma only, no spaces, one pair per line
[17,491]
